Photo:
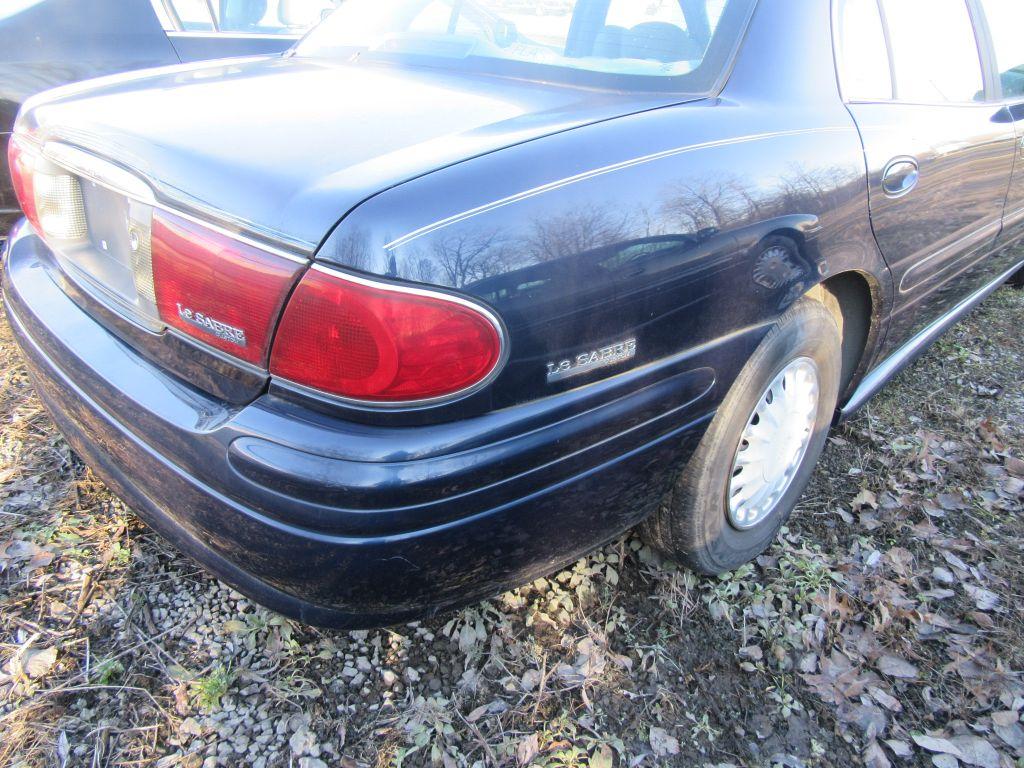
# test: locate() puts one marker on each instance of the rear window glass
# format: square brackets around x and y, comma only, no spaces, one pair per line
[687,41]
[265,17]
[935,51]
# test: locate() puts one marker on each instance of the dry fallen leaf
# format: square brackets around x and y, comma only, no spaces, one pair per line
[752,652]
[899,748]
[302,741]
[889,702]
[662,743]
[874,756]
[527,749]
[1005,717]
[933,744]
[808,663]
[983,620]
[38,662]
[530,680]
[1015,466]
[989,432]
[602,758]
[953,502]
[976,751]
[19,551]
[896,667]
[865,499]
[182,704]
[63,749]
[984,599]
[1011,734]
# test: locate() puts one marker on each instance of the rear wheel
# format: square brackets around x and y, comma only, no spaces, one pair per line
[1017,281]
[756,458]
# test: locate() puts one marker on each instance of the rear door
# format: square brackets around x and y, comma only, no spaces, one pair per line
[939,158]
[1005,29]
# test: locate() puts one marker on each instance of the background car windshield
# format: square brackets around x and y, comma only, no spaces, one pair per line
[685,40]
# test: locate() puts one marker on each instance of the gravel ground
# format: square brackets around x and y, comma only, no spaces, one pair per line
[884,627]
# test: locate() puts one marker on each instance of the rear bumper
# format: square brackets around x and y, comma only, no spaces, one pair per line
[345,524]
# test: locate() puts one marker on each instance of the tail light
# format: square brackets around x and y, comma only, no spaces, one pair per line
[22,162]
[345,336]
[50,198]
[378,343]
[218,289]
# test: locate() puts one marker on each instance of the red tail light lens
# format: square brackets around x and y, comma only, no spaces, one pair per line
[22,161]
[217,289]
[377,343]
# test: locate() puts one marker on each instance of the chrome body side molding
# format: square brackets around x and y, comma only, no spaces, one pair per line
[880,374]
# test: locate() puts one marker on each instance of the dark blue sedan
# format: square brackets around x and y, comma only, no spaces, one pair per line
[455,291]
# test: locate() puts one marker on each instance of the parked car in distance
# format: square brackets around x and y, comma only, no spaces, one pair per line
[46,43]
[451,293]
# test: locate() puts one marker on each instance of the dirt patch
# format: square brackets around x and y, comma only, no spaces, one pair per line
[883,627]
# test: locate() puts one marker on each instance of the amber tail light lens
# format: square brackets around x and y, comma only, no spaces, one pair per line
[377,343]
[217,289]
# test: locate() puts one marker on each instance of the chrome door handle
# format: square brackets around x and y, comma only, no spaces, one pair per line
[900,177]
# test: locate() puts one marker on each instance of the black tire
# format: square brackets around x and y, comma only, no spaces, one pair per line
[692,525]
[1017,281]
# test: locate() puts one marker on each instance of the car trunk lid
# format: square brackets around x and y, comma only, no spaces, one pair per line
[284,147]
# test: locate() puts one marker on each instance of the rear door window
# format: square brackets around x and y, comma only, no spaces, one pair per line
[1006,26]
[862,53]
[935,51]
